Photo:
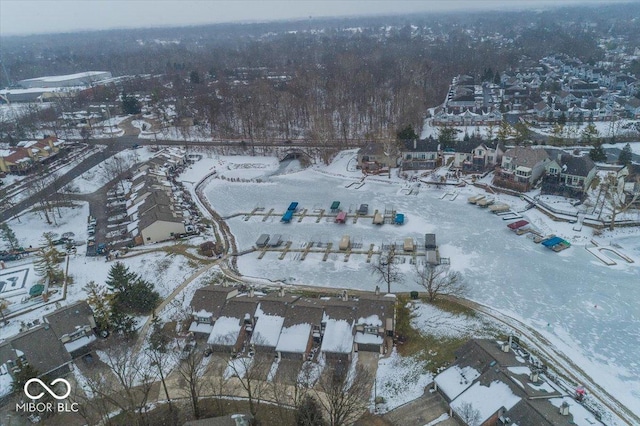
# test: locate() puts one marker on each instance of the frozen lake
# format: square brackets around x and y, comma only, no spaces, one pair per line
[580,304]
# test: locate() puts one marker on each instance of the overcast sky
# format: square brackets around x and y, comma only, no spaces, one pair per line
[52,16]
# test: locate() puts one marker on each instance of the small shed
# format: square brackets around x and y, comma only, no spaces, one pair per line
[286,218]
[262,240]
[399,219]
[363,209]
[341,217]
[275,240]
[378,219]
[430,241]
[335,205]
[408,245]
[345,242]
[293,206]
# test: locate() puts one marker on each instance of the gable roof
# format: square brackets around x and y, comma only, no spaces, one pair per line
[525,156]
[42,348]
[210,299]
[70,318]
[576,166]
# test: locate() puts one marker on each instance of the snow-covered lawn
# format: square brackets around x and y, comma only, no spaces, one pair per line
[399,380]
[584,307]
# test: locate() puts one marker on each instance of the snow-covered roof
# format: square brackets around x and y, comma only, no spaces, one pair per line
[225,331]
[487,400]
[368,339]
[78,343]
[200,327]
[581,416]
[373,320]
[267,329]
[454,380]
[338,337]
[294,338]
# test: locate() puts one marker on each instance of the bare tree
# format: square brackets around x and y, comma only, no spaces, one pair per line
[251,372]
[158,351]
[439,280]
[192,370]
[343,392]
[616,199]
[469,415]
[386,269]
[129,386]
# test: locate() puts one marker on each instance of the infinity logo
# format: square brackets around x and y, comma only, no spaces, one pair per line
[47,388]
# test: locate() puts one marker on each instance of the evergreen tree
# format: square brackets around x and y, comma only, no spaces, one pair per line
[9,237]
[589,134]
[597,153]
[625,155]
[407,134]
[48,260]
[446,136]
[122,323]
[496,78]
[23,373]
[131,293]
[194,77]
[130,105]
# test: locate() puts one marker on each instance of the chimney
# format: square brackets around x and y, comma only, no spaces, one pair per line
[505,347]
[345,297]
[281,291]
[224,283]
[564,409]
[534,376]
[251,292]
[415,144]
[377,290]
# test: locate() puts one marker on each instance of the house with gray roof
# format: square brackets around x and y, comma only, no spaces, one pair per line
[511,384]
[206,306]
[40,347]
[420,154]
[74,325]
[375,323]
[233,328]
[521,167]
[338,328]
[373,156]
[301,329]
[269,319]
[569,175]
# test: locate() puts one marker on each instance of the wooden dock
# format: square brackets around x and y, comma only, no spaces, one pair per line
[305,252]
[347,254]
[370,253]
[285,251]
[302,215]
[264,219]
[327,252]
[320,216]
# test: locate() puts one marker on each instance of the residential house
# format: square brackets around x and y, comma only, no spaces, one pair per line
[375,323]
[420,154]
[159,219]
[39,347]
[374,156]
[569,175]
[206,305]
[521,167]
[512,391]
[338,329]
[74,325]
[233,329]
[269,320]
[16,161]
[301,329]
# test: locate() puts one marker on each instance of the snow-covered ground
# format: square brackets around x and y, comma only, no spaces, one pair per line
[587,309]
[606,129]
